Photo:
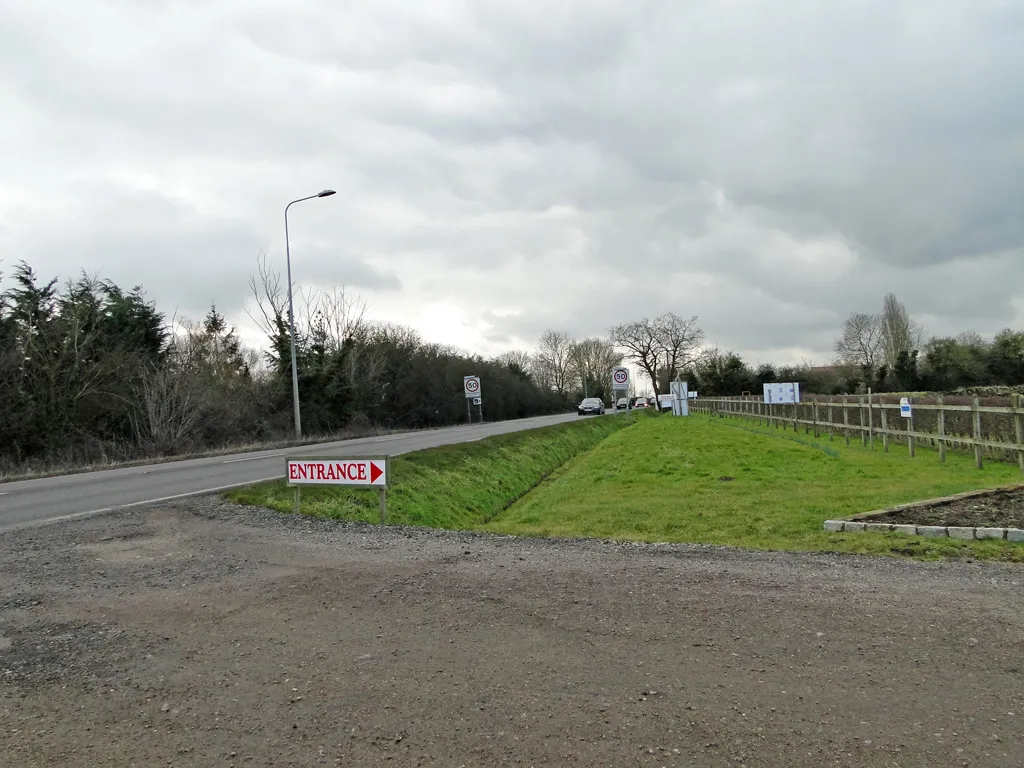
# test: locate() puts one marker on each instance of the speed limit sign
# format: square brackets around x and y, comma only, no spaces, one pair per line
[620,378]
[471,385]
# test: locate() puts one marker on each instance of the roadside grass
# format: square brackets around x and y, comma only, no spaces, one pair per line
[711,481]
[459,486]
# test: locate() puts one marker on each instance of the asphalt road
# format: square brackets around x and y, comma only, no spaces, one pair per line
[50,499]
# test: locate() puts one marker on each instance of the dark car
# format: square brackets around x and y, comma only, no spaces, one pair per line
[593,405]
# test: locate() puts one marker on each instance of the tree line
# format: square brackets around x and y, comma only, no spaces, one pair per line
[887,351]
[662,348]
[91,372]
[890,352]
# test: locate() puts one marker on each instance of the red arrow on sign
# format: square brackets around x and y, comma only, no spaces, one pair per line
[375,471]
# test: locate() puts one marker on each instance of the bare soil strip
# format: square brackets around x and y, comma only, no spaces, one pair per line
[995,509]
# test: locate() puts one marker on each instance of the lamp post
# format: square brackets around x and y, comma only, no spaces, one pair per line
[291,311]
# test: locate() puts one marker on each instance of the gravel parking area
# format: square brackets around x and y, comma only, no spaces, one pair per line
[199,634]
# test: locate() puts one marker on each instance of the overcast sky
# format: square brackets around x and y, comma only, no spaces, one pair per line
[507,166]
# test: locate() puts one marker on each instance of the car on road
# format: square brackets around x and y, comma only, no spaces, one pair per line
[641,402]
[622,404]
[590,405]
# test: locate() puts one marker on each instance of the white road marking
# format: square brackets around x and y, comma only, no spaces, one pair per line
[77,515]
[252,458]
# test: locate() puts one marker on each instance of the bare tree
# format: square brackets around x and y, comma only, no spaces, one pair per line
[641,343]
[554,360]
[679,341]
[170,412]
[899,331]
[516,359]
[593,360]
[339,316]
[860,343]
[271,298]
[971,339]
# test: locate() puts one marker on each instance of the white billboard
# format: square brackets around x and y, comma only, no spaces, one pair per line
[784,394]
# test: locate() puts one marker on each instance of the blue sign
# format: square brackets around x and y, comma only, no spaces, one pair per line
[905,407]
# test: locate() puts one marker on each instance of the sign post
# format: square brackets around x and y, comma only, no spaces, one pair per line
[471,389]
[907,412]
[620,383]
[367,472]
[680,397]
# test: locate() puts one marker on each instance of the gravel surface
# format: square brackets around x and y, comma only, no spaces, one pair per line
[1001,509]
[201,634]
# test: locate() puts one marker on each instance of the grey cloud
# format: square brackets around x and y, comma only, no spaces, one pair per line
[184,261]
[324,266]
[768,168]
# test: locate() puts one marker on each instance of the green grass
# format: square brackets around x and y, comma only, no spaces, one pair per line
[659,481]
[456,486]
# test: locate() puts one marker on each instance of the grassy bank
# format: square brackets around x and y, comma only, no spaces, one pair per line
[711,481]
[454,486]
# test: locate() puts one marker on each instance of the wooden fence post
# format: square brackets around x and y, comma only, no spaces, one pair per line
[846,420]
[1018,427]
[796,415]
[814,416]
[871,423]
[830,429]
[860,413]
[910,435]
[976,414]
[885,430]
[942,429]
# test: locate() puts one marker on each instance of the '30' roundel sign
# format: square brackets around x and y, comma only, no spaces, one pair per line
[620,377]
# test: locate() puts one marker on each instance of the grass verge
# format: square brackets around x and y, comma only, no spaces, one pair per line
[455,486]
[709,481]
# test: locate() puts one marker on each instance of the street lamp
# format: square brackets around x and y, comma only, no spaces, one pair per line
[291,311]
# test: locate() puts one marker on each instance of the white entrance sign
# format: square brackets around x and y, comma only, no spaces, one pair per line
[905,411]
[372,473]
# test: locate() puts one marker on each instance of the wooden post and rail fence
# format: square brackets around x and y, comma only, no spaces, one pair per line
[995,431]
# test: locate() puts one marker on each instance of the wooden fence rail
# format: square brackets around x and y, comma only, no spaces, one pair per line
[877,420]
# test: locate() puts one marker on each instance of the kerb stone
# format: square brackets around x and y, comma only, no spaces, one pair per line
[989,533]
